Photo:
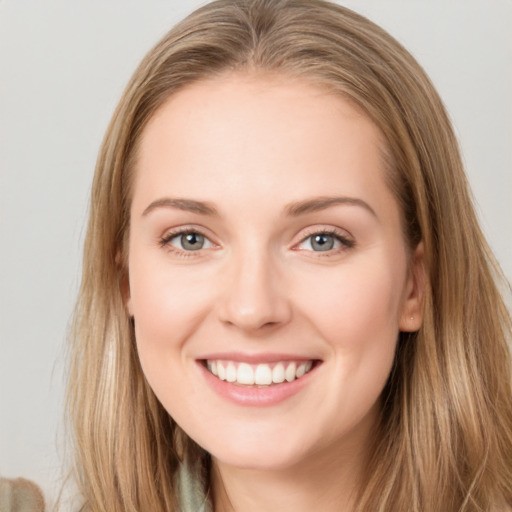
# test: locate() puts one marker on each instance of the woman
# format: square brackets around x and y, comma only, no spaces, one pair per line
[286,300]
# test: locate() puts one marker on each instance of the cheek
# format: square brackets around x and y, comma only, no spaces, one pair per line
[356,313]
[355,305]
[161,297]
[167,307]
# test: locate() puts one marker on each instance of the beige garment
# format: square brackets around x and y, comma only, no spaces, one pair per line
[191,493]
[20,495]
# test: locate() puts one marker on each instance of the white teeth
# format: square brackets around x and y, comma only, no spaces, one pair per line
[290,372]
[278,373]
[231,373]
[261,374]
[245,375]
[221,371]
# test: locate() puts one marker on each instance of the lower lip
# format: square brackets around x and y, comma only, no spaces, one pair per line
[255,396]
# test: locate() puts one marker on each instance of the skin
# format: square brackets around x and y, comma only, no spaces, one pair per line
[250,146]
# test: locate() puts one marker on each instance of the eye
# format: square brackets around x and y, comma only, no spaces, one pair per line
[187,241]
[325,241]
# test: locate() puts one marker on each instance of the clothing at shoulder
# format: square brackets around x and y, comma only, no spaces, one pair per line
[20,495]
[191,493]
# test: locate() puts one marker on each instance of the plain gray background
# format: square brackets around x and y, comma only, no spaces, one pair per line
[63,67]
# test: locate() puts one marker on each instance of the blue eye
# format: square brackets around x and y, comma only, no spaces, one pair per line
[188,241]
[324,242]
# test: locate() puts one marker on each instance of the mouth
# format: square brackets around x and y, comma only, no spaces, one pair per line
[258,375]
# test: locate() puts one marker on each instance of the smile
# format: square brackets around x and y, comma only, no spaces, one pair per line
[263,374]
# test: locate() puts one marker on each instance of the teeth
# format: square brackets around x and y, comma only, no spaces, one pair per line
[278,373]
[245,375]
[290,372]
[231,374]
[261,374]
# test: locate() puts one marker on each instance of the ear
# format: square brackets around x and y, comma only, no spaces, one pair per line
[411,316]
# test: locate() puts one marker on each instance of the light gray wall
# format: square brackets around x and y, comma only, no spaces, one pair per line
[63,66]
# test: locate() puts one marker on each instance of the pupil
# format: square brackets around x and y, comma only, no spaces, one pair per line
[323,242]
[192,241]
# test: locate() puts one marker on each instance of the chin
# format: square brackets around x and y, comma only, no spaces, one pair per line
[264,451]
[254,458]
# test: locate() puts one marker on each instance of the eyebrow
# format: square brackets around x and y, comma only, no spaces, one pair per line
[293,209]
[321,203]
[188,205]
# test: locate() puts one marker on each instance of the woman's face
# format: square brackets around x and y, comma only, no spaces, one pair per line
[268,274]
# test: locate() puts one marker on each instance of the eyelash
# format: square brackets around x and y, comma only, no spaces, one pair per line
[165,241]
[345,242]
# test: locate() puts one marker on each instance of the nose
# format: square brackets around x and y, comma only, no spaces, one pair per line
[253,296]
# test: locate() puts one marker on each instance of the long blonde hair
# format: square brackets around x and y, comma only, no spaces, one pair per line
[445,440]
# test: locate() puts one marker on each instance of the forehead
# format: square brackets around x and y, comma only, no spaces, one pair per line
[242,101]
[269,135]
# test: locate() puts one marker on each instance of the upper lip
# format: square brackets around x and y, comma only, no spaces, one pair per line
[266,357]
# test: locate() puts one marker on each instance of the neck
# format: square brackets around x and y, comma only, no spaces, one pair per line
[329,481]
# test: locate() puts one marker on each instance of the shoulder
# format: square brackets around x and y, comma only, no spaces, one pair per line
[20,495]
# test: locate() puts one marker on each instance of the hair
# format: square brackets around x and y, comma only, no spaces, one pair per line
[444,441]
